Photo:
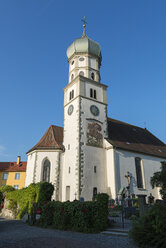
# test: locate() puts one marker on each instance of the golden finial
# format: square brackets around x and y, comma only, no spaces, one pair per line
[84,25]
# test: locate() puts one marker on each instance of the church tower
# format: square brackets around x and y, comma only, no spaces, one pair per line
[85,123]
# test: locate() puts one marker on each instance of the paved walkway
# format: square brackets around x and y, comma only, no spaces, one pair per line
[16,234]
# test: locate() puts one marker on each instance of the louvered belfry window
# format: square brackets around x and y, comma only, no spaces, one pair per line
[139,174]
[46,171]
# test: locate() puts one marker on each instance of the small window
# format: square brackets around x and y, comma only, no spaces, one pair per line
[16,186]
[94,169]
[5,176]
[68,146]
[92,76]
[72,94]
[91,92]
[72,62]
[17,176]
[81,73]
[69,170]
[95,94]
[72,77]
[94,193]
[139,173]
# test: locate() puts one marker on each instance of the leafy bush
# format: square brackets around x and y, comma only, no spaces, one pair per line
[159,180]
[28,199]
[149,230]
[7,188]
[76,216]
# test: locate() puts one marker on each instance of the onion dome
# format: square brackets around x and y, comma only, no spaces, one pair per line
[84,45]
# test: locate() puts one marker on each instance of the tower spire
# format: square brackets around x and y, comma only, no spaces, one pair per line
[84,26]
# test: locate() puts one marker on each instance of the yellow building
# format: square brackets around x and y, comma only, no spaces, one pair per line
[13,173]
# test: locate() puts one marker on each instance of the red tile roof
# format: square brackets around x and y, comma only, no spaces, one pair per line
[132,138]
[13,166]
[52,139]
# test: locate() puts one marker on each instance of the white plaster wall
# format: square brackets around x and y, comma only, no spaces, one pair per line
[92,63]
[30,168]
[125,161]
[67,92]
[110,165]
[71,135]
[82,63]
[93,156]
[71,67]
[35,163]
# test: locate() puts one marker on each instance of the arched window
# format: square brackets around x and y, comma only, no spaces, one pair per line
[91,92]
[72,77]
[81,73]
[46,171]
[95,94]
[92,76]
[72,94]
[94,193]
[139,173]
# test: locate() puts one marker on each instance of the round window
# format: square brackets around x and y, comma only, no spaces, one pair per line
[81,59]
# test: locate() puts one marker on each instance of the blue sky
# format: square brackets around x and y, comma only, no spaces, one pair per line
[34,36]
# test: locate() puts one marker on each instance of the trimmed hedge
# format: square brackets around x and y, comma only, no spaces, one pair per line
[27,200]
[76,216]
[150,229]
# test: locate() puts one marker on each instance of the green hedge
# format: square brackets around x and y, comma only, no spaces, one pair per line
[76,216]
[27,200]
[150,229]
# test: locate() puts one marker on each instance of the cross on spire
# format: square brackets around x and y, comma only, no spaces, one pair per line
[84,25]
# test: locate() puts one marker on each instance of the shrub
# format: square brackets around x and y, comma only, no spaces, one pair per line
[7,188]
[76,216]
[149,230]
[28,199]
[48,210]
[159,180]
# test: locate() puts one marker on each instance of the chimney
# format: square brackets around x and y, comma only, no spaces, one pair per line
[18,160]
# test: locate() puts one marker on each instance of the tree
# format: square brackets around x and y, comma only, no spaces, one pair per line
[159,180]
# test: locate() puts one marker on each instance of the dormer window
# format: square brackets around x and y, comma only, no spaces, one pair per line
[92,76]
[93,93]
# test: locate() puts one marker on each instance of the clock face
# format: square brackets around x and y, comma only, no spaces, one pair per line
[70,109]
[94,110]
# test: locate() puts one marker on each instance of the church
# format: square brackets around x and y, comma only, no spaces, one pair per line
[93,153]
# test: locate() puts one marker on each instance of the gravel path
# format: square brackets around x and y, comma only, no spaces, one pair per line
[16,234]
